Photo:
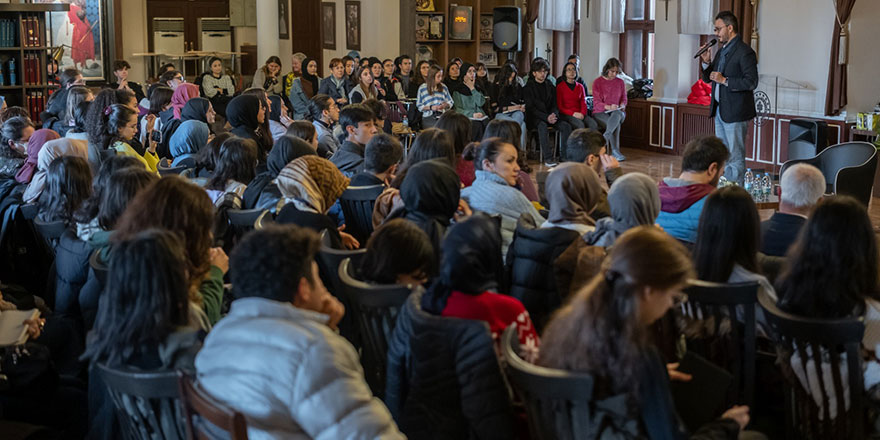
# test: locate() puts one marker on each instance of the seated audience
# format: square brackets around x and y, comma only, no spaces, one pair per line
[493,191]
[337,85]
[433,97]
[380,82]
[482,80]
[296,61]
[590,147]
[682,198]
[307,381]
[357,123]
[458,126]
[304,88]
[79,130]
[75,96]
[278,117]
[176,205]
[198,109]
[246,114]
[305,131]
[206,160]
[181,96]
[15,133]
[325,115]
[160,101]
[310,186]
[171,78]
[634,201]
[264,133]
[420,75]
[510,132]
[609,103]
[68,184]
[57,103]
[143,320]
[453,74]
[35,144]
[51,151]
[801,187]
[469,101]
[364,88]
[398,252]
[380,115]
[576,60]
[120,125]
[121,69]
[263,192]
[218,86]
[603,331]
[381,157]
[541,111]
[188,140]
[572,193]
[402,76]
[571,97]
[268,77]
[234,169]
[507,97]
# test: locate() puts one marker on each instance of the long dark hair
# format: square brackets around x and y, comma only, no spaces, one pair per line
[599,330]
[728,234]
[416,73]
[431,143]
[459,128]
[95,118]
[121,188]
[68,185]
[75,95]
[160,98]
[89,209]
[832,267]
[145,299]
[208,155]
[237,161]
[115,117]
[265,132]
[398,247]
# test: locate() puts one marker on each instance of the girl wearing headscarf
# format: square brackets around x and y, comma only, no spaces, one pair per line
[245,113]
[634,201]
[263,192]
[182,94]
[278,117]
[469,101]
[469,277]
[304,88]
[310,185]
[430,194]
[188,140]
[573,190]
[198,109]
[34,146]
[52,150]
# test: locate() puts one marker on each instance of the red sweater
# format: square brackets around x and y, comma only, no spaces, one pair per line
[607,92]
[499,311]
[571,101]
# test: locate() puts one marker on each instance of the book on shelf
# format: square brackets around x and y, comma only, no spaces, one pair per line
[7,33]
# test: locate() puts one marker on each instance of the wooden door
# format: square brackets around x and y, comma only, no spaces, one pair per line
[305,32]
[190,11]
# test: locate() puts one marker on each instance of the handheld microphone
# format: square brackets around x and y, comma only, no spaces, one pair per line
[711,43]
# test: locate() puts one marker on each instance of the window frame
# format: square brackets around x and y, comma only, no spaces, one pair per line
[646,25]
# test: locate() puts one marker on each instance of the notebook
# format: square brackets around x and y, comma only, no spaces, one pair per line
[704,398]
[12,328]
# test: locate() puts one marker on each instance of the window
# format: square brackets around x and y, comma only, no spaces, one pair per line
[637,40]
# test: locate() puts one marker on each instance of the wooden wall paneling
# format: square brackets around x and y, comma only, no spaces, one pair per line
[750,143]
[766,145]
[656,126]
[668,138]
[305,32]
[634,131]
[692,120]
[782,139]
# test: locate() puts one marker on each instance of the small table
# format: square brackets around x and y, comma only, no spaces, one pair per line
[769,202]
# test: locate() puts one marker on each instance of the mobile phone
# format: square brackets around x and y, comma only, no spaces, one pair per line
[156,136]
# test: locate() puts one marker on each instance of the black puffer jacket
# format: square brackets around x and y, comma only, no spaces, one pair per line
[444,380]
[530,260]
[71,273]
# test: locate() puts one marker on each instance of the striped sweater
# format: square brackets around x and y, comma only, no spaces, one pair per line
[424,101]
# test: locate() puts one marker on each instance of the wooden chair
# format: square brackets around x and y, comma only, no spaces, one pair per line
[728,342]
[328,260]
[147,404]
[820,349]
[375,308]
[199,407]
[357,204]
[558,403]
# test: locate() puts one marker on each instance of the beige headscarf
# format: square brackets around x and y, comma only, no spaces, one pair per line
[51,151]
[573,190]
[312,180]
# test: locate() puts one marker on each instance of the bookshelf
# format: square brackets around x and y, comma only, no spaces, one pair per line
[442,47]
[24,50]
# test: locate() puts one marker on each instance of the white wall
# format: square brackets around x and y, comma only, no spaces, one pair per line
[863,86]
[380,30]
[134,37]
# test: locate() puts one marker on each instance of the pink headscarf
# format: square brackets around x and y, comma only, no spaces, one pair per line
[183,93]
[34,145]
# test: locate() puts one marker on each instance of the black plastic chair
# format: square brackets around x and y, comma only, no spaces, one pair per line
[848,168]
[558,403]
[200,407]
[357,204]
[169,171]
[147,403]
[727,342]
[264,219]
[375,308]
[820,343]
[328,260]
[244,218]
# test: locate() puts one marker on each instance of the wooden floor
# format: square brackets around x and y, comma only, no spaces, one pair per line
[659,166]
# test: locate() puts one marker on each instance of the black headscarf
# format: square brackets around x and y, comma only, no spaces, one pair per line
[459,86]
[451,84]
[430,194]
[195,109]
[286,149]
[470,263]
[241,113]
[307,77]
[275,114]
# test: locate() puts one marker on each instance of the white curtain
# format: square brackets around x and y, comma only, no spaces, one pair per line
[608,15]
[697,16]
[556,15]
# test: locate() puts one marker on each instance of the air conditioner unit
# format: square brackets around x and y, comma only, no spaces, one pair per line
[168,37]
[215,34]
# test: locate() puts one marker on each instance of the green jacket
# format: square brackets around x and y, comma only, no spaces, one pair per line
[468,105]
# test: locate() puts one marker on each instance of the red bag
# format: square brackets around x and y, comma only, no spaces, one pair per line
[701,93]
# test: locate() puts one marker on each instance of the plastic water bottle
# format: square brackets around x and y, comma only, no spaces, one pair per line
[766,186]
[405,121]
[749,181]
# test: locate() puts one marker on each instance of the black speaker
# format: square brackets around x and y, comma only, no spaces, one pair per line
[806,138]
[506,32]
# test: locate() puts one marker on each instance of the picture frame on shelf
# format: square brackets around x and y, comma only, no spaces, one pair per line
[353,25]
[486,27]
[83,32]
[423,23]
[424,53]
[328,25]
[425,6]
[435,27]
[487,55]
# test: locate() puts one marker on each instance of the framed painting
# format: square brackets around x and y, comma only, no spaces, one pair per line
[82,32]
[328,25]
[283,19]
[353,25]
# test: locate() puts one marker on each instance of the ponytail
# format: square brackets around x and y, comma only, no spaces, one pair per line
[470,152]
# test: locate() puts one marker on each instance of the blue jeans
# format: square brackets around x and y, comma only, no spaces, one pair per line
[520,119]
[733,134]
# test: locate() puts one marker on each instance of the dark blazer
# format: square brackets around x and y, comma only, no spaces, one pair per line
[779,232]
[741,70]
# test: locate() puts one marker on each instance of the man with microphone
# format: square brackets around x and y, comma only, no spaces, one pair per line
[734,76]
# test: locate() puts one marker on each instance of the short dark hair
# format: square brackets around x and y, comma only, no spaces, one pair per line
[13,128]
[582,143]
[381,153]
[237,161]
[703,151]
[269,263]
[539,64]
[573,56]
[610,64]
[397,247]
[160,97]
[318,104]
[121,64]
[166,66]
[729,19]
[168,76]
[302,130]
[354,114]
[377,107]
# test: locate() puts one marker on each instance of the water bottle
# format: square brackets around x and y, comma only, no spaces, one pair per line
[12,80]
[748,181]
[766,184]
[2,76]
[405,122]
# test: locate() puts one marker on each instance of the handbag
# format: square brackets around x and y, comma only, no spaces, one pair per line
[27,368]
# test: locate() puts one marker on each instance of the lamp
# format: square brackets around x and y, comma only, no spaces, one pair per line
[58,52]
